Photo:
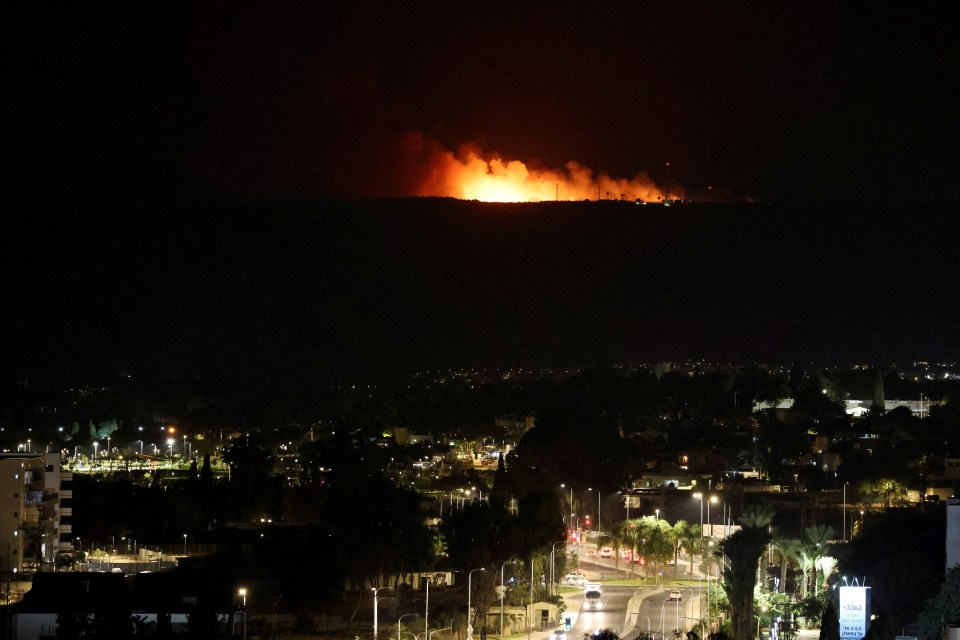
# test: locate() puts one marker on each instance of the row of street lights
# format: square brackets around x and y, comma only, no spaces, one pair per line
[564,486]
[376,599]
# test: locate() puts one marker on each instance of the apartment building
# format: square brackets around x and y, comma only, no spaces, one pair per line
[35,498]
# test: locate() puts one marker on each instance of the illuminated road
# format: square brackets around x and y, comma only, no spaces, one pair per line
[612,614]
[662,616]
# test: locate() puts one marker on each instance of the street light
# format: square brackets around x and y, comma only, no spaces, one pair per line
[243,594]
[375,591]
[648,624]
[598,510]
[184,544]
[713,500]
[469,609]
[95,444]
[170,442]
[578,540]
[399,620]
[845,511]
[571,505]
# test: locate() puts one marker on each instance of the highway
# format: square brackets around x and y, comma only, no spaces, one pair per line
[650,610]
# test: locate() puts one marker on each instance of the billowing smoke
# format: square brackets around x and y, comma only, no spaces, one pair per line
[471,174]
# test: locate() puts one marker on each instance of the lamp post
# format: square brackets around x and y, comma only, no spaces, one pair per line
[469,607]
[699,496]
[399,620]
[578,545]
[845,511]
[502,592]
[562,486]
[184,544]
[648,625]
[95,445]
[375,591]
[170,442]
[713,499]
[598,510]
[529,615]
[243,594]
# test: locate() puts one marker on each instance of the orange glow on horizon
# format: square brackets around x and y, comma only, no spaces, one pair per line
[473,175]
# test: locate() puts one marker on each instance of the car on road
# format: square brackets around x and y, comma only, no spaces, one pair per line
[606,552]
[575,578]
[559,634]
[676,594]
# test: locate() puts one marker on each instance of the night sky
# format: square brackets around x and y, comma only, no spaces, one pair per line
[762,100]
[191,187]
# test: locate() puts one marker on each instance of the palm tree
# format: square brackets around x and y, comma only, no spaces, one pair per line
[807,563]
[616,539]
[633,538]
[743,549]
[758,516]
[691,540]
[657,544]
[789,550]
[816,546]
[679,536]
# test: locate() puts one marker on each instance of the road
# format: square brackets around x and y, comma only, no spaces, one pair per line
[651,610]
[611,614]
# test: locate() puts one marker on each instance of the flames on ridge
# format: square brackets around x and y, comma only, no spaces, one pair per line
[472,175]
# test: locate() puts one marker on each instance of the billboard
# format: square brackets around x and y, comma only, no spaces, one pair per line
[854,612]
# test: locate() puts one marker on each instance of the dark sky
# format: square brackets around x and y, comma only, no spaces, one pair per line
[166,164]
[770,100]
[389,287]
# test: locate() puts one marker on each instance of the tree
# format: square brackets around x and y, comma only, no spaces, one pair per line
[743,550]
[202,622]
[789,550]
[941,610]
[816,548]
[657,542]
[617,538]
[830,623]
[71,624]
[902,553]
[691,540]
[758,516]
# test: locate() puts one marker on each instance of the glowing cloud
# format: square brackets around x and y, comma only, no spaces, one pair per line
[472,175]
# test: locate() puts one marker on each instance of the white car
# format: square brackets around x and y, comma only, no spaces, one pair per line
[575,578]
[606,552]
[676,594]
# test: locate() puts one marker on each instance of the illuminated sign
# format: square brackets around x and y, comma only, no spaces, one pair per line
[854,612]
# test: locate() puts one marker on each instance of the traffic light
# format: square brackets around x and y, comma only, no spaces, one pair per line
[567,624]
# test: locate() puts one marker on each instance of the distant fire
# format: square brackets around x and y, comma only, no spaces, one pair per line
[473,175]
